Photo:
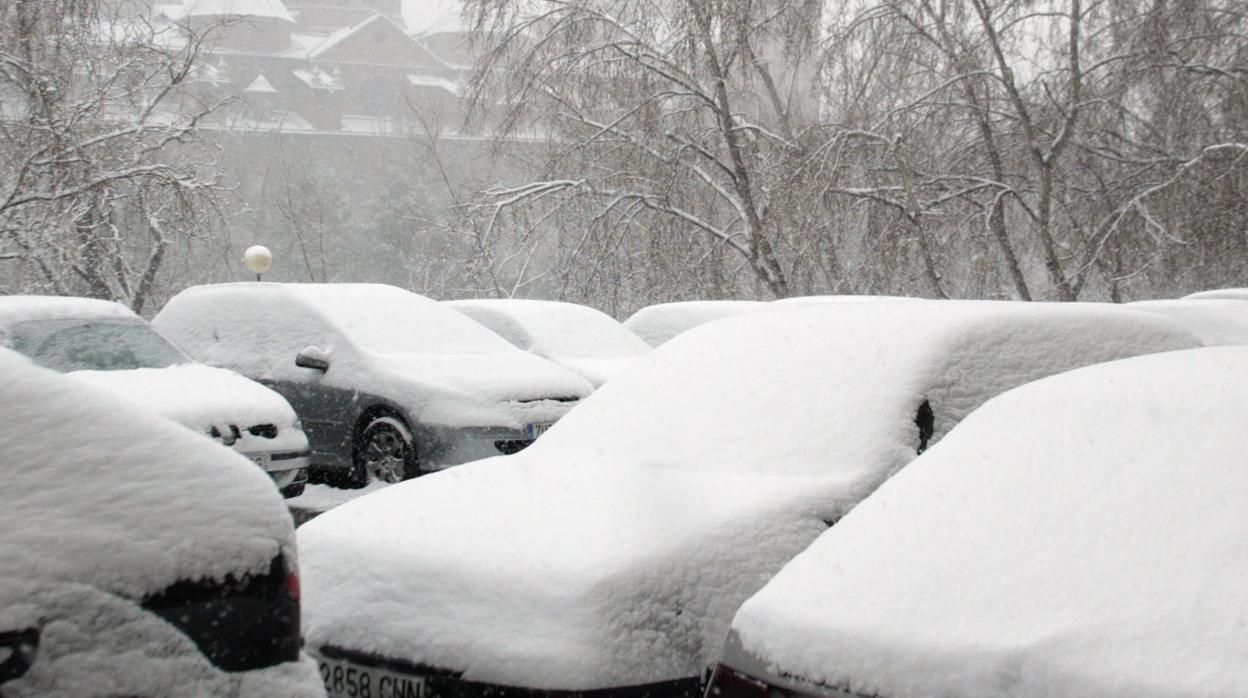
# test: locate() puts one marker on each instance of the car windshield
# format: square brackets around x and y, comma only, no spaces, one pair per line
[77,344]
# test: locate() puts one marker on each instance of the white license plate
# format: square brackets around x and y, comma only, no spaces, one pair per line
[535,430]
[344,679]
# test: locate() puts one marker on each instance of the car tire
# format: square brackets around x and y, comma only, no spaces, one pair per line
[293,490]
[384,450]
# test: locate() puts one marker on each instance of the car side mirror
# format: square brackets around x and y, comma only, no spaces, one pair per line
[314,358]
[17,652]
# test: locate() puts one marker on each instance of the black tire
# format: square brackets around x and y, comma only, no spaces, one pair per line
[384,451]
[293,490]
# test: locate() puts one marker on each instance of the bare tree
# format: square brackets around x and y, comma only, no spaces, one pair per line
[101,170]
[663,118]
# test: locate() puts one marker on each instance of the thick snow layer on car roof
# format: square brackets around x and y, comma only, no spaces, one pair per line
[1238,294]
[1213,321]
[99,491]
[20,308]
[574,336]
[376,317]
[614,550]
[1081,535]
[658,323]
[94,643]
[554,329]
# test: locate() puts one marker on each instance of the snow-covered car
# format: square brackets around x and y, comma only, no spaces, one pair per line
[1213,321]
[810,300]
[577,337]
[611,555]
[1232,294]
[106,345]
[1082,535]
[136,558]
[658,323]
[388,384]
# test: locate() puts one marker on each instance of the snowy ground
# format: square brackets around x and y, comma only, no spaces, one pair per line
[318,499]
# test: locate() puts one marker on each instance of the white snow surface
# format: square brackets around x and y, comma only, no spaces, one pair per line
[614,550]
[1214,321]
[323,497]
[658,323]
[99,491]
[442,367]
[201,397]
[1237,294]
[577,337]
[1079,536]
[93,643]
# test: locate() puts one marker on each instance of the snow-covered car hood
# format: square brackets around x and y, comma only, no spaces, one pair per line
[197,396]
[99,491]
[596,371]
[663,558]
[511,388]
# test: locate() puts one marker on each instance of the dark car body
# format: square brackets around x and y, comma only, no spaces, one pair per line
[359,360]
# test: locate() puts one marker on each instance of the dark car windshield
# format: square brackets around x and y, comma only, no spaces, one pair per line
[76,344]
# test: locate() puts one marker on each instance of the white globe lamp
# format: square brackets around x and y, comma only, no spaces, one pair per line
[258,259]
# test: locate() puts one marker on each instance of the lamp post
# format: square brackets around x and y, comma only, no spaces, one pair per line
[258,259]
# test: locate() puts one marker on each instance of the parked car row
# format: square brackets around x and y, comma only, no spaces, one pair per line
[610,557]
[855,492]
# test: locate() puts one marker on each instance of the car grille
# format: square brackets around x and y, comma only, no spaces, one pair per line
[265,431]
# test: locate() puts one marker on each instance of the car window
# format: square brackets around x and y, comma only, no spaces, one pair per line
[76,344]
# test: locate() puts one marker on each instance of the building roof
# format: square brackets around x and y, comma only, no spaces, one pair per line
[238,8]
[261,84]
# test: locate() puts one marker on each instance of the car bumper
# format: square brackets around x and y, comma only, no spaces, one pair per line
[464,445]
[345,672]
[742,675]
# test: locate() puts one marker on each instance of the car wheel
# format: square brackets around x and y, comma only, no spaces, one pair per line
[293,490]
[385,451]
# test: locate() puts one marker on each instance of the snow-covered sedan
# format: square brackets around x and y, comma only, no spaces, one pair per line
[136,558]
[107,345]
[658,323]
[1082,535]
[610,556]
[389,384]
[577,337]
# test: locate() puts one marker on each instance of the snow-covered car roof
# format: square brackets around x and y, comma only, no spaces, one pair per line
[376,317]
[20,308]
[658,323]
[615,549]
[554,328]
[1213,321]
[1237,294]
[98,491]
[1079,536]
[576,337]
[804,300]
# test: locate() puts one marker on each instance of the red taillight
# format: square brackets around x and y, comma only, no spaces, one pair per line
[728,683]
[292,585]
